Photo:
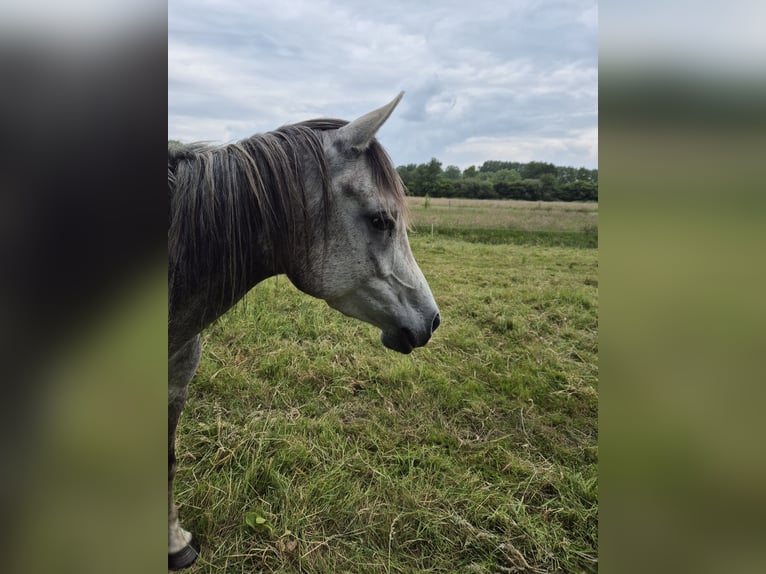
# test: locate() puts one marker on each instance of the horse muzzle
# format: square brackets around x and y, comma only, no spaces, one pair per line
[405,339]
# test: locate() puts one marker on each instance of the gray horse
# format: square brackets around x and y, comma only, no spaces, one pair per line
[319,201]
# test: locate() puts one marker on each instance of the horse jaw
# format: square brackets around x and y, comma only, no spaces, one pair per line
[401,332]
[397,300]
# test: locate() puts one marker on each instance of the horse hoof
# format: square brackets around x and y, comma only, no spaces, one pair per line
[184,557]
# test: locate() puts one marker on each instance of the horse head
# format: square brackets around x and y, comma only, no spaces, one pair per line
[359,260]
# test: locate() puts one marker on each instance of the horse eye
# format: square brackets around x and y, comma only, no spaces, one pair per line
[382,223]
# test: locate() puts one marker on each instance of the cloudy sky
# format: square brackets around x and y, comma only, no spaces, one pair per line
[512,80]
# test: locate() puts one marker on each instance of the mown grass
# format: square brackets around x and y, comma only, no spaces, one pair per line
[560,224]
[477,453]
[586,238]
[530,216]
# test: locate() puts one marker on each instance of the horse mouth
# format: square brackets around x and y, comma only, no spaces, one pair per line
[401,341]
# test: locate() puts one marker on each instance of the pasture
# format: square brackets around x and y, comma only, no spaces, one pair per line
[306,446]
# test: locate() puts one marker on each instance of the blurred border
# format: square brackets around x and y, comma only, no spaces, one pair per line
[83,295]
[682,154]
[83,300]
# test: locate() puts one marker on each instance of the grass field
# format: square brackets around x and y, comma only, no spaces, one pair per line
[533,216]
[500,222]
[307,447]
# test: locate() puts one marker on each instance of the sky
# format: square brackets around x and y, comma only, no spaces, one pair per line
[721,37]
[508,80]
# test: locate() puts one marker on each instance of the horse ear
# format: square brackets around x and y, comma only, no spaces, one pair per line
[358,134]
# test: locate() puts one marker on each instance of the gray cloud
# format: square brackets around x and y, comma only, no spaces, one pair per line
[481,78]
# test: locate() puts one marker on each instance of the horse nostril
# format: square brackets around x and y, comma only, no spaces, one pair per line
[437,321]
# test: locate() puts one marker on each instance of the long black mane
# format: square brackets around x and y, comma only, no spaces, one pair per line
[226,199]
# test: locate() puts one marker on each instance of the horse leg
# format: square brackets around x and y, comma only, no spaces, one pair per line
[182,548]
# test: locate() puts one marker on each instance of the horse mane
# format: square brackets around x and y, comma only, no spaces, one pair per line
[224,198]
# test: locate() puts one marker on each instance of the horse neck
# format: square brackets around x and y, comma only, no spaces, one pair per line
[257,237]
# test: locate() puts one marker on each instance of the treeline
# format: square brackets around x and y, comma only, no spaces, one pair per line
[535,181]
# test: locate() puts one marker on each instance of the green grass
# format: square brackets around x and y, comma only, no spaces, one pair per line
[477,453]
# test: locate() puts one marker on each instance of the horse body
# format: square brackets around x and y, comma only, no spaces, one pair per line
[319,201]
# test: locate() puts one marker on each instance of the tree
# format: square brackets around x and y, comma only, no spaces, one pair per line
[493,166]
[536,181]
[585,174]
[407,173]
[505,175]
[427,177]
[548,187]
[452,172]
[531,189]
[535,169]
[476,188]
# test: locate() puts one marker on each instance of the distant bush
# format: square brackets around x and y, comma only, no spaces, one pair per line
[532,181]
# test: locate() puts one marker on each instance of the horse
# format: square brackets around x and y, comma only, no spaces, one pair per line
[319,201]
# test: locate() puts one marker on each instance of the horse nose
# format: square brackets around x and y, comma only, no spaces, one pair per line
[436,322]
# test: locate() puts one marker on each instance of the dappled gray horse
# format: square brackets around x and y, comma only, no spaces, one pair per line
[319,201]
